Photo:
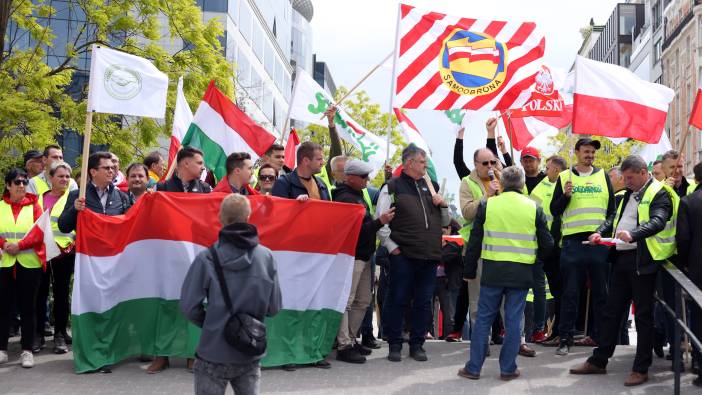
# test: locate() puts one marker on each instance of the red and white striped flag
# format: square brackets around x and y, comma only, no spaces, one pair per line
[42,230]
[291,149]
[445,62]
[182,117]
[696,115]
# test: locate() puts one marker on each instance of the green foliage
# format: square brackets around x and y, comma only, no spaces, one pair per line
[367,114]
[608,156]
[36,105]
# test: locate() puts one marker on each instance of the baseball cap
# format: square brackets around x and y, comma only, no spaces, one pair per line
[32,154]
[531,151]
[587,141]
[355,167]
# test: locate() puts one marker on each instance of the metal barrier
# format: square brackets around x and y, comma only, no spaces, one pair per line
[682,283]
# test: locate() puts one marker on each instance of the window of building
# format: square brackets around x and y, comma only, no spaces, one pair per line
[245,22]
[258,42]
[213,5]
[657,51]
[243,68]
[269,60]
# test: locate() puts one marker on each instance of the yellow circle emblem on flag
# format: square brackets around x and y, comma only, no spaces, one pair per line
[472,63]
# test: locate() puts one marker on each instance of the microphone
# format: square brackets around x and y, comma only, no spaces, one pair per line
[491,174]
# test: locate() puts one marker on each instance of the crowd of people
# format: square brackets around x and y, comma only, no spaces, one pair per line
[580,243]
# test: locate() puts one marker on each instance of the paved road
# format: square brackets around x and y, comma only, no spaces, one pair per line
[544,375]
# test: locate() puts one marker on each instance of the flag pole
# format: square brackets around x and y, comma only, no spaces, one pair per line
[285,132]
[365,77]
[510,134]
[392,85]
[86,153]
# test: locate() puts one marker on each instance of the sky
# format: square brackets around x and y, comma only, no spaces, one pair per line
[354,36]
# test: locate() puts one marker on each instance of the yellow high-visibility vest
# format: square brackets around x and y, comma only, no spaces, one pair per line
[13,231]
[510,229]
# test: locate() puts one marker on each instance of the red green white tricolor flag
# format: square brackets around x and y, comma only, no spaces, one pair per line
[127,286]
[220,128]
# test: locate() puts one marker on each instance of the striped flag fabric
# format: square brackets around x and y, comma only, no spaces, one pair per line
[696,114]
[182,118]
[612,101]
[413,136]
[291,149]
[126,287]
[220,128]
[42,230]
[445,62]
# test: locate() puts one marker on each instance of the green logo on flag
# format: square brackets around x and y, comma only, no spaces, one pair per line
[455,116]
[122,82]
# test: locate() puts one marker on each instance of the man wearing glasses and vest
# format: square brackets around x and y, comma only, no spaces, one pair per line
[645,223]
[508,233]
[584,199]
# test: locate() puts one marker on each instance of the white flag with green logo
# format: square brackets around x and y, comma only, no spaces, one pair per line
[121,83]
[308,105]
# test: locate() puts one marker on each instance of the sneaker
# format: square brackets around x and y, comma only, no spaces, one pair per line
[60,346]
[27,359]
[38,344]
[69,339]
[3,356]
[363,350]
[418,354]
[563,349]
[395,353]
[350,355]
[538,337]
[453,337]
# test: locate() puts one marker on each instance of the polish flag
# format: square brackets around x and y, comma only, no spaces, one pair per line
[42,230]
[612,101]
[182,117]
[696,116]
[291,149]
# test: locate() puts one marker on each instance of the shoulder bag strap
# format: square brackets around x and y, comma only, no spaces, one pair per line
[220,279]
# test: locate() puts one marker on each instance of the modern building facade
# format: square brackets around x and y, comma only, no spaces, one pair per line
[614,43]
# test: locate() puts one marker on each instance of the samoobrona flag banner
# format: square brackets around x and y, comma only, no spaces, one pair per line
[444,62]
[220,128]
[127,285]
[610,100]
[126,84]
[308,105]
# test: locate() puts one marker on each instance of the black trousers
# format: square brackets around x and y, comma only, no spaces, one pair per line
[627,285]
[23,283]
[552,269]
[58,272]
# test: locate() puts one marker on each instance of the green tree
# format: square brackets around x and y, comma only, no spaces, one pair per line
[608,156]
[41,74]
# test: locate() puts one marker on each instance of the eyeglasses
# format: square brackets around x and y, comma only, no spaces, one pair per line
[364,176]
[107,168]
[20,181]
[266,178]
[491,162]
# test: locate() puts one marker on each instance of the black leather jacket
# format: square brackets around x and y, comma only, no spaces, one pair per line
[660,211]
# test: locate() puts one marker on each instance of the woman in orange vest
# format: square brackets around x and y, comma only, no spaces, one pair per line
[20,265]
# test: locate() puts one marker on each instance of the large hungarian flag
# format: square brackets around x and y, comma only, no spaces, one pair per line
[220,128]
[127,284]
[444,62]
[610,100]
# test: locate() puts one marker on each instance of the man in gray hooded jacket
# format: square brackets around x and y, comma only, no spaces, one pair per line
[251,276]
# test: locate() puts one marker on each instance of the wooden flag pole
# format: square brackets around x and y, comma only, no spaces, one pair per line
[86,153]
[392,86]
[172,166]
[510,134]
[365,77]
[684,140]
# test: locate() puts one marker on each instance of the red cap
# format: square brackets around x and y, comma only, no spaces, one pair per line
[531,151]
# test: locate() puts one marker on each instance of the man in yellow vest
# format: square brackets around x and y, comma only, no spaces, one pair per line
[41,183]
[645,224]
[583,198]
[509,232]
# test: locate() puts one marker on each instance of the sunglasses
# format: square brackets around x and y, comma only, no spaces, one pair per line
[363,176]
[266,178]
[20,181]
[491,162]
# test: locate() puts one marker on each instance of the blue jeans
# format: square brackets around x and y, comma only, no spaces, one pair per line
[488,307]
[577,261]
[408,279]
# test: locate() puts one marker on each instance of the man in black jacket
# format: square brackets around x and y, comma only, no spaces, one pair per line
[356,178]
[645,212]
[101,196]
[189,166]
[689,239]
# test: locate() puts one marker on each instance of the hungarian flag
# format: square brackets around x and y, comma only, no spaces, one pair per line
[126,286]
[182,117]
[291,149]
[612,101]
[696,115]
[220,128]
[413,136]
[444,62]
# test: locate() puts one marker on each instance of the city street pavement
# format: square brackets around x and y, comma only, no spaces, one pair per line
[545,375]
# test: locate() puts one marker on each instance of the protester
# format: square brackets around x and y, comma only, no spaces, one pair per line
[414,241]
[18,212]
[508,233]
[238,265]
[657,171]
[673,168]
[137,181]
[301,183]
[689,240]
[239,170]
[59,269]
[40,183]
[349,191]
[120,180]
[531,160]
[275,156]
[618,184]
[458,162]
[267,175]
[584,199]
[189,166]
[337,164]
[33,163]
[449,278]
[156,165]
[645,222]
